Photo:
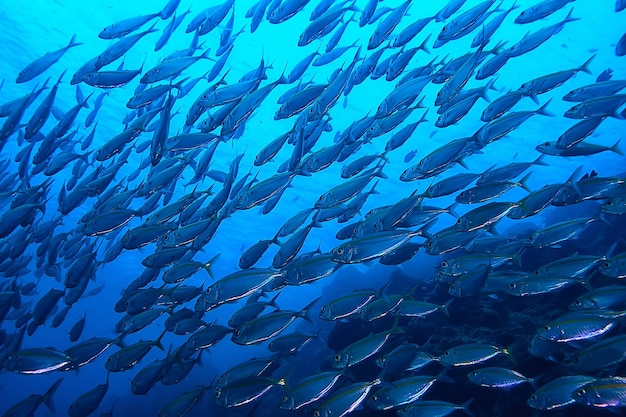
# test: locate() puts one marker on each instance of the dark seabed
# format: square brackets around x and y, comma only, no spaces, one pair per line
[312,208]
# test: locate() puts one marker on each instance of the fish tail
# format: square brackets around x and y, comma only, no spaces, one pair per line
[47,397]
[585,66]
[423,46]
[523,182]
[542,110]
[304,313]
[466,404]
[272,302]
[445,307]
[451,210]
[73,42]
[158,343]
[207,266]
[615,148]
[488,86]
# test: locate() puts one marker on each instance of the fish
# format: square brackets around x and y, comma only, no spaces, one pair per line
[541,10]
[558,392]
[495,377]
[41,64]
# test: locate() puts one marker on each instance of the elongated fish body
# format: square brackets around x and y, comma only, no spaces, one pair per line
[504,125]
[39,65]
[484,216]
[110,79]
[487,30]
[541,10]
[495,377]
[35,361]
[597,107]
[124,27]
[558,393]
[309,389]
[501,105]
[466,20]
[235,286]
[263,190]
[39,117]
[29,405]
[602,392]
[129,356]
[577,326]
[346,190]
[600,355]
[387,25]
[535,39]
[171,68]
[346,400]
[437,160]
[589,92]
[578,132]
[184,403]
[404,391]
[120,48]
[266,326]
[89,401]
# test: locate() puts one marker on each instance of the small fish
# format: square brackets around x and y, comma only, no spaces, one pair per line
[496,377]
[41,64]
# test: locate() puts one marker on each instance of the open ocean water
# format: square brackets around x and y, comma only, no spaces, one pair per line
[47,245]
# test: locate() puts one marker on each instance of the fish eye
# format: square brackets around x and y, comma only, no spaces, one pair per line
[459,221]
[323,309]
[523,13]
[531,238]
[537,272]
[546,328]
[546,144]
[609,203]
[444,264]
[374,397]
[237,332]
[444,29]
[339,251]
[383,359]
[512,285]
[218,394]
[285,398]
[316,413]
[607,265]
[446,353]
[337,358]
[533,397]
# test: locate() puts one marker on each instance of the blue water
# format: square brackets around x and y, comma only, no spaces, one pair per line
[30,32]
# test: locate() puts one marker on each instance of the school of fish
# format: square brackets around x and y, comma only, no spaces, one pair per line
[499,286]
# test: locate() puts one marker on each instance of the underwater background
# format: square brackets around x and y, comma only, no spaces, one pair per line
[37,256]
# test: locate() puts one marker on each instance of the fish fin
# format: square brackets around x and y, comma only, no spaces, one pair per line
[73,42]
[207,266]
[47,397]
[615,148]
[423,46]
[585,67]
[522,183]
[542,109]
[466,404]
[451,209]
[304,313]
[445,309]
[157,342]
